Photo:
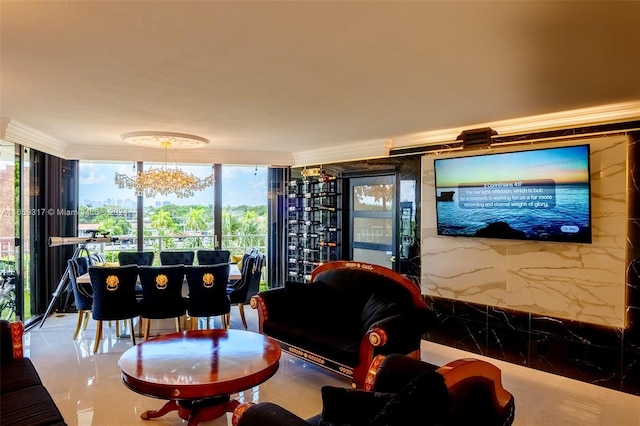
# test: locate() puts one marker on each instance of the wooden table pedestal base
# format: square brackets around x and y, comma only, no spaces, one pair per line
[195,411]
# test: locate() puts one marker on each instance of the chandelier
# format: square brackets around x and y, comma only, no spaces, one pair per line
[164,180]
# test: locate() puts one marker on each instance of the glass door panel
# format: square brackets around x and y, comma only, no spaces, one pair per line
[8,230]
[372,219]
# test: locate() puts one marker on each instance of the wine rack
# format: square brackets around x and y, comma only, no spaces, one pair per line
[312,228]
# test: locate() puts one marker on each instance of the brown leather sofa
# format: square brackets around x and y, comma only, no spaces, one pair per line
[402,391]
[349,313]
[24,401]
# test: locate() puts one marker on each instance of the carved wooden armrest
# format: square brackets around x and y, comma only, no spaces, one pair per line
[239,411]
[378,337]
[373,370]
[466,368]
[257,302]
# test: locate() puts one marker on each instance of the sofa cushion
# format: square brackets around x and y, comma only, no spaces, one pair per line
[375,309]
[351,407]
[329,343]
[17,374]
[29,407]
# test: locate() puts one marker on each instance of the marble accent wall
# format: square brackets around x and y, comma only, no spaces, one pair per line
[569,309]
[584,282]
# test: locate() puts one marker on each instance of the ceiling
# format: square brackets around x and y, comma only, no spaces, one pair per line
[286,83]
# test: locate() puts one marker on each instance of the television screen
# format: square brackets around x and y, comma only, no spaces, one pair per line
[541,194]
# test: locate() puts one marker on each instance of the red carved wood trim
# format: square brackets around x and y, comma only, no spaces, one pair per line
[17,332]
[372,372]
[239,411]
[465,368]
[257,302]
[378,269]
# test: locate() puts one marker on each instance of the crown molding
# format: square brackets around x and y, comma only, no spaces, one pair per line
[19,133]
[205,155]
[603,114]
[347,152]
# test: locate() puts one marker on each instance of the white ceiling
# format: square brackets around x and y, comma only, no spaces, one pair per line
[280,82]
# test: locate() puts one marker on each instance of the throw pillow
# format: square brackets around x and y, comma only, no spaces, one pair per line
[237,259]
[376,309]
[423,401]
[352,407]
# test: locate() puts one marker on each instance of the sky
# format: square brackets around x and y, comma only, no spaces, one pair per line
[563,165]
[240,184]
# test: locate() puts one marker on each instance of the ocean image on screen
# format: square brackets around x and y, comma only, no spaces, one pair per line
[539,194]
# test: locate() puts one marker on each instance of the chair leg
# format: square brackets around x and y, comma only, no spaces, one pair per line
[244,320]
[78,325]
[86,320]
[98,336]
[147,327]
[117,328]
[177,324]
[227,320]
[223,321]
[131,333]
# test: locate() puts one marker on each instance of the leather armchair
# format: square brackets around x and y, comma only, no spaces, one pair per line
[401,390]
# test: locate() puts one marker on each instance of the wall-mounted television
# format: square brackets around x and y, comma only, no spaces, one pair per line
[540,194]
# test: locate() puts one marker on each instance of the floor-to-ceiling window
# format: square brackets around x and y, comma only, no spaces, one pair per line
[105,208]
[244,207]
[174,222]
[9,193]
[171,222]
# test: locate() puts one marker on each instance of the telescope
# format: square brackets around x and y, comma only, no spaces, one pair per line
[64,241]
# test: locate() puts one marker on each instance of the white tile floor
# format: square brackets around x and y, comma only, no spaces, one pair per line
[88,390]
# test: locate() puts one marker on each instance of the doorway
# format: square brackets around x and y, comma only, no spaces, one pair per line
[372,220]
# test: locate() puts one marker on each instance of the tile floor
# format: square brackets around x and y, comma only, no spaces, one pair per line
[88,390]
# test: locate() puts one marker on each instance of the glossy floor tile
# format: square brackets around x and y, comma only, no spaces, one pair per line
[88,390]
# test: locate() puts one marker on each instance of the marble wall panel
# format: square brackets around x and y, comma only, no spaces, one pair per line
[588,363]
[631,353]
[584,282]
[570,309]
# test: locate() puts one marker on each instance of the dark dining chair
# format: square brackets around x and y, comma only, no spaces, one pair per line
[213,257]
[207,292]
[82,295]
[97,258]
[114,297]
[161,294]
[248,285]
[140,258]
[177,257]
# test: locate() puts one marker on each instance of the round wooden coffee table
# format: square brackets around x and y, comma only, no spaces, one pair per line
[198,370]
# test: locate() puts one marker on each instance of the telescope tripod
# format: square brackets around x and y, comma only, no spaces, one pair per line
[64,281]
